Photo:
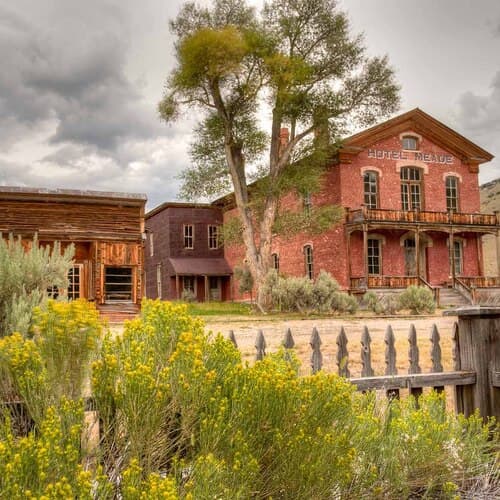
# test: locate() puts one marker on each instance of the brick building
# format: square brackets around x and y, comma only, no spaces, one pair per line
[184,254]
[106,230]
[410,193]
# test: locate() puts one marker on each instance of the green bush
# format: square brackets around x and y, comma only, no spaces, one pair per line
[385,304]
[25,276]
[418,299]
[182,417]
[288,294]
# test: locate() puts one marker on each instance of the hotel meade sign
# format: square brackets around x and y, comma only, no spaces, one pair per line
[383,154]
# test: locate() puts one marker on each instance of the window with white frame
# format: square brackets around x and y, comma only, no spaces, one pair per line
[151,244]
[452,193]
[374,256]
[308,261]
[74,282]
[370,185]
[213,237]
[188,236]
[458,257]
[409,142]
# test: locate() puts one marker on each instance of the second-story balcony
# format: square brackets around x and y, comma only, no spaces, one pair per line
[378,215]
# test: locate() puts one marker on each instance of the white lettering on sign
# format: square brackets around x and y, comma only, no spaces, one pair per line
[382,154]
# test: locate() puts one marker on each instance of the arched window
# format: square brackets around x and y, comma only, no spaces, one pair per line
[370,186]
[452,193]
[411,188]
[276,261]
[410,142]
[308,261]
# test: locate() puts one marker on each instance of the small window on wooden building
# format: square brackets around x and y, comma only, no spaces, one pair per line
[452,193]
[411,188]
[308,261]
[118,284]
[188,236]
[213,237]
[374,256]
[410,143]
[276,261]
[74,282]
[370,185]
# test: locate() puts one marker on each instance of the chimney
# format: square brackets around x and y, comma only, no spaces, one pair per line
[284,138]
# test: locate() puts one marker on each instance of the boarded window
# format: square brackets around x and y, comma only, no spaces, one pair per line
[118,284]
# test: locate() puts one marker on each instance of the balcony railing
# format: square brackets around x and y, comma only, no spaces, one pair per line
[381,215]
[384,282]
[481,281]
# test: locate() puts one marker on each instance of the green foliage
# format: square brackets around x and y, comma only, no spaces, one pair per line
[55,362]
[418,299]
[385,304]
[293,293]
[183,417]
[25,276]
[245,280]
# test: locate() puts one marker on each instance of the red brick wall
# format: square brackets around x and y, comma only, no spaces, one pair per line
[343,185]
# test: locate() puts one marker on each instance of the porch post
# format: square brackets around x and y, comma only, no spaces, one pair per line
[206,288]
[498,252]
[478,349]
[365,251]
[177,287]
[348,255]
[452,257]
[417,252]
[479,247]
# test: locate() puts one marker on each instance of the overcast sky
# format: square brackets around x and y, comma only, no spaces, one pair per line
[80,81]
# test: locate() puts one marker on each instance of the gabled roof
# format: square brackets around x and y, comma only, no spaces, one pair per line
[421,123]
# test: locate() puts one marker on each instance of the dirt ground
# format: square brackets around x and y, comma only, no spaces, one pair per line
[246,329]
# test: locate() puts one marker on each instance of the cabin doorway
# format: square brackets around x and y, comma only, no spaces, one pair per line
[410,258]
[214,288]
[118,284]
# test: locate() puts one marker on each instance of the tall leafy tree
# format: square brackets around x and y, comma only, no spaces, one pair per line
[294,63]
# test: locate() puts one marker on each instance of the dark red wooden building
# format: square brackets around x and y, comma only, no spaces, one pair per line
[184,255]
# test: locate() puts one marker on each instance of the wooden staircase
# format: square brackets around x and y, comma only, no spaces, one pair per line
[451,297]
[118,312]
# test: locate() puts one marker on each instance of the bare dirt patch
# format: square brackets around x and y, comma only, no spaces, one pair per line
[245,331]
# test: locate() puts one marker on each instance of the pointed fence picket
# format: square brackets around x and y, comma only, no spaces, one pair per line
[392,382]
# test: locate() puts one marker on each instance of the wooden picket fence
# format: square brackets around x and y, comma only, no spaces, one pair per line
[475,378]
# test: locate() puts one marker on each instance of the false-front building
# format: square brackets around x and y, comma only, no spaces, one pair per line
[410,194]
[184,255]
[106,230]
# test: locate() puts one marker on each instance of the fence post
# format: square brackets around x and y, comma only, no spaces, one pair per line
[478,346]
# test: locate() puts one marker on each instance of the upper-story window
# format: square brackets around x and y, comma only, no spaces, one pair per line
[411,188]
[213,237]
[452,193]
[188,236]
[308,261]
[409,142]
[370,185]
[276,261]
[307,203]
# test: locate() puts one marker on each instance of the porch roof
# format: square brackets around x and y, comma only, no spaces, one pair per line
[213,266]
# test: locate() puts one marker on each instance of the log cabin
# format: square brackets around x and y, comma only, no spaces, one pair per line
[106,229]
